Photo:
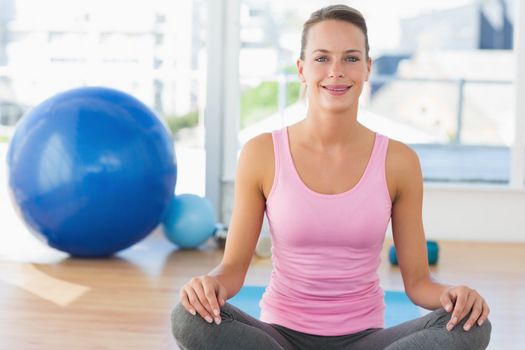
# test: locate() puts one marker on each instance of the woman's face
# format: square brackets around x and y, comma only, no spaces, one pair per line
[335,66]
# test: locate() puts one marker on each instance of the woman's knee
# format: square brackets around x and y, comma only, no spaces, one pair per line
[485,331]
[441,318]
[184,325]
[478,337]
[178,319]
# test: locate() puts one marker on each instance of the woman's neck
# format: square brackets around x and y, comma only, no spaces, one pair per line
[331,130]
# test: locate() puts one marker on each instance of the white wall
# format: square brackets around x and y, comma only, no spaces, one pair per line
[478,213]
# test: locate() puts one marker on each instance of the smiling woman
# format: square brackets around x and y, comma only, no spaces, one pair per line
[341,71]
[329,187]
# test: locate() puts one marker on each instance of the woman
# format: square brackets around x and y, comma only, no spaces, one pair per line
[329,187]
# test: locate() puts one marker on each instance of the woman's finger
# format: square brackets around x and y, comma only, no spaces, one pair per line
[484,314]
[183,298]
[472,297]
[196,303]
[211,296]
[199,290]
[446,301]
[477,309]
[459,307]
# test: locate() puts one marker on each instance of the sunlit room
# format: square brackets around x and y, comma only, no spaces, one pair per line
[248,174]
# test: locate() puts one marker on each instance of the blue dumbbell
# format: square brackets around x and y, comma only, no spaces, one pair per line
[432,251]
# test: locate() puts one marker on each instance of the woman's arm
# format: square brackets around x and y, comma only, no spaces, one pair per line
[409,239]
[205,294]
[407,227]
[248,212]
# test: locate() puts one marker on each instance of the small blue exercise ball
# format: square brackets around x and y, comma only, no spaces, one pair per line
[189,221]
[92,170]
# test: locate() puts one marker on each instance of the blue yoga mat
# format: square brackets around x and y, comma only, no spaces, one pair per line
[398,307]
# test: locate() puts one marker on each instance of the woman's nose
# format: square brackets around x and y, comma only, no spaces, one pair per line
[336,71]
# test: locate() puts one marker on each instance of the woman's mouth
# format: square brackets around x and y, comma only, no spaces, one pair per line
[336,90]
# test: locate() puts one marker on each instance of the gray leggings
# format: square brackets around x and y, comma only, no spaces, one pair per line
[239,330]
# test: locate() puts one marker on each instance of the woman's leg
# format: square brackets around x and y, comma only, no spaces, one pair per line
[427,332]
[237,330]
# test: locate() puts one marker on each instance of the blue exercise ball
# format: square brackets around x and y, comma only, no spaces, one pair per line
[92,170]
[189,221]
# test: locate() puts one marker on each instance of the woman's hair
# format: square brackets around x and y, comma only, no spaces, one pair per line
[335,12]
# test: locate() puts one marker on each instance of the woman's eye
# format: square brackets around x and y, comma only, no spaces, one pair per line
[352,59]
[321,59]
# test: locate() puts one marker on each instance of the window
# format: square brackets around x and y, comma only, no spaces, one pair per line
[153,50]
[442,79]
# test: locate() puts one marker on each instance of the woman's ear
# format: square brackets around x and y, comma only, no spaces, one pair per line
[300,66]
[368,68]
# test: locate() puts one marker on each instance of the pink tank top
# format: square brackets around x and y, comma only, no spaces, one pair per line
[326,248]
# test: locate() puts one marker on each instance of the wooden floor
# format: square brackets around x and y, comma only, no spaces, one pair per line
[49,301]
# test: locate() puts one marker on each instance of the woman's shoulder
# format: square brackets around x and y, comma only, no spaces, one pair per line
[259,145]
[402,167]
[258,155]
[400,154]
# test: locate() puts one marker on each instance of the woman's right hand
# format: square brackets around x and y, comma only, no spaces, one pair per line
[204,295]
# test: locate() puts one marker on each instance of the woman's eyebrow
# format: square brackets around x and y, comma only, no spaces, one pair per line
[346,51]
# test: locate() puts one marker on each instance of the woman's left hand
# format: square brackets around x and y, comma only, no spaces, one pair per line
[462,301]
